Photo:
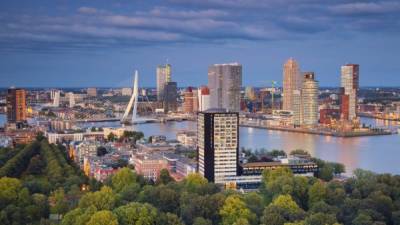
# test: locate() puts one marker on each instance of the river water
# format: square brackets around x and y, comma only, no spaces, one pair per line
[380,154]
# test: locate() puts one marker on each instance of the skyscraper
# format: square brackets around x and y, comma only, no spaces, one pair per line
[309,100]
[188,101]
[292,80]
[16,105]
[163,77]
[56,100]
[170,97]
[297,108]
[350,83]
[204,98]
[71,98]
[225,81]
[218,144]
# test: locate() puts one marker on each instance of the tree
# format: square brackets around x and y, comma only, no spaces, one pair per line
[321,219]
[362,219]
[170,219]
[136,213]
[282,209]
[59,202]
[201,221]
[300,152]
[316,193]
[111,137]
[193,181]
[9,189]
[326,172]
[255,203]
[101,151]
[233,210]
[122,179]
[164,177]
[101,200]
[103,217]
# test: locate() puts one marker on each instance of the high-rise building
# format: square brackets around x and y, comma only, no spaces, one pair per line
[250,93]
[170,97]
[91,92]
[297,108]
[16,105]
[188,100]
[344,105]
[218,144]
[309,100]
[350,83]
[225,81]
[71,98]
[204,98]
[163,77]
[56,99]
[292,80]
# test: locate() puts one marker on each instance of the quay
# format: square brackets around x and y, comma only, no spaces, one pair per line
[345,134]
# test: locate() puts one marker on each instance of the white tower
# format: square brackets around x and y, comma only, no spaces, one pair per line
[71,99]
[132,101]
[56,100]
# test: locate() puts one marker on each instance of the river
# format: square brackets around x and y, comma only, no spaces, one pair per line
[380,154]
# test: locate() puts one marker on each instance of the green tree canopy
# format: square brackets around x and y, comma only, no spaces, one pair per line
[234,211]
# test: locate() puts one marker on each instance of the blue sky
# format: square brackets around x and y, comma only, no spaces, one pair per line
[63,43]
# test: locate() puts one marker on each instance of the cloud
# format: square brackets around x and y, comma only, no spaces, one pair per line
[366,8]
[195,21]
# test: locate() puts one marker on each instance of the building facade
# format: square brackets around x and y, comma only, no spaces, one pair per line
[204,98]
[163,77]
[189,101]
[224,82]
[350,83]
[218,145]
[170,97]
[291,81]
[309,100]
[16,105]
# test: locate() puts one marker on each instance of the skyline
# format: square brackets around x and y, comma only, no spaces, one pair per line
[82,44]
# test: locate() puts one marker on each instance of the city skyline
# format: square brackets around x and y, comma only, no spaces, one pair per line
[99,44]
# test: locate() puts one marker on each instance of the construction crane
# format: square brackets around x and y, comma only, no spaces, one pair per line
[272,94]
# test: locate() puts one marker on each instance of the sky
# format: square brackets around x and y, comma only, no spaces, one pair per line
[99,43]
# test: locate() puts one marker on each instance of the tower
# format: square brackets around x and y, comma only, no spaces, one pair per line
[224,82]
[218,144]
[350,83]
[132,101]
[309,100]
[16,105]
[163,77]
[291,81]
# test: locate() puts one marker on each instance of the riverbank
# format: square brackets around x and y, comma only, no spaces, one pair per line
[380,117]
[321,132]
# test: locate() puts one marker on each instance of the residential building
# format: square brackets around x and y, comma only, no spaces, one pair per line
[218,144]
[16,105]
[350,83]
[309,100]
[224,82]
